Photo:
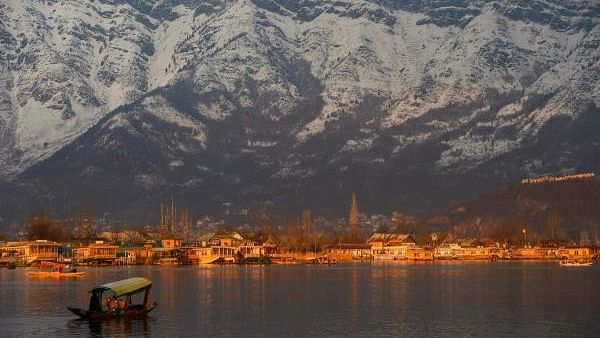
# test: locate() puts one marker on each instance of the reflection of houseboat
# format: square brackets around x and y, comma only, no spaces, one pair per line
[255,260]
[280,259]
[385,257]
[320,260]
[168,262]
[419,254]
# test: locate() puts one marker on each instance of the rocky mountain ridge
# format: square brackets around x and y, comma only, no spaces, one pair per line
[410,103]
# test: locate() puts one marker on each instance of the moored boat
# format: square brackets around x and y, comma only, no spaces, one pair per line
[119,305]
[55,269]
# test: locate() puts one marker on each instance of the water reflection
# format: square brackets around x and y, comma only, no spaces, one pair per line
[112,327]
[379,299]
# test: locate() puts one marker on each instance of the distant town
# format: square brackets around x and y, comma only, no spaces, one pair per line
[177,240]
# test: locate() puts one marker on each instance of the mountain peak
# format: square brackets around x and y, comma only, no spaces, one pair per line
[251,99]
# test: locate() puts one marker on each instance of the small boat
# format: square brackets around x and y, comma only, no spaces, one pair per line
[119,305]
[54,269]
[168,262]
[566,262]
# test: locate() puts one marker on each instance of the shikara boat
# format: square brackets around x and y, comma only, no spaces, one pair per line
[119,305]
[55,269]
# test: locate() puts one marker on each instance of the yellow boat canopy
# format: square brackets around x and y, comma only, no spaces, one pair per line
[124,287]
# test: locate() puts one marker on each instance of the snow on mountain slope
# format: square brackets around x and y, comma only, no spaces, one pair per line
[265,92]
[69,63]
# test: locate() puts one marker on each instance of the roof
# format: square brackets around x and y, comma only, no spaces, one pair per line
[270,242]
[125,287]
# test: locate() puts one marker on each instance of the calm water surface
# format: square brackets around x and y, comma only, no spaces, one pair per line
[349,300]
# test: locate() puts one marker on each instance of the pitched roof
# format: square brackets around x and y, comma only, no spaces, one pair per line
[270,242]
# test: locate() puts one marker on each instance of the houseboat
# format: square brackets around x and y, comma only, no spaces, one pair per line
[567,262]
[31,252]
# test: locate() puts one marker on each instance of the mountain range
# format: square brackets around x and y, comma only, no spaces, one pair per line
[226,104]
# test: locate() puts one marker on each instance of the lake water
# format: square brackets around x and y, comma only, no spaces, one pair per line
[438,299]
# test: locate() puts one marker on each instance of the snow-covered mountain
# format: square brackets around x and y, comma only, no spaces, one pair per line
[306,100]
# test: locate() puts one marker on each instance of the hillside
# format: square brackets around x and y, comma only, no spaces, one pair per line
[568,209]
[410,104]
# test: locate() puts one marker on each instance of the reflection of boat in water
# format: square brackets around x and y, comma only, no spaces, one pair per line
[120,304]
[168,262]
[254,260]
[566,262]
[54,269]
[320,260]
[387,257]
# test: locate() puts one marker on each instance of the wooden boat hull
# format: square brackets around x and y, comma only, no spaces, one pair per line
[55,274]
[135,313]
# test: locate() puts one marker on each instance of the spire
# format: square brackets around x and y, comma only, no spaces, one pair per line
[354,218]
[172,217]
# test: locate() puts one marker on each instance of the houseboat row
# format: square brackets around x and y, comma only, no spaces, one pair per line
[233,248]
[389,247]
[215,249]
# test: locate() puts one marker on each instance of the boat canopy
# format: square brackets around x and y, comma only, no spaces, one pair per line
[124,287]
